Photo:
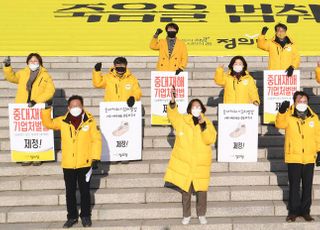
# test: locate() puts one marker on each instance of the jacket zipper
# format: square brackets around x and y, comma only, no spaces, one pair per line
[29,93]
[40,81]
[302,136]
[117,90]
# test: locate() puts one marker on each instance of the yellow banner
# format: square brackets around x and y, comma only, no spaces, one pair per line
[18,156]
[115,27]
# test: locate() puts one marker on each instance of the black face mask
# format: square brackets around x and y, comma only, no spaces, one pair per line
[121,69]
[171,34]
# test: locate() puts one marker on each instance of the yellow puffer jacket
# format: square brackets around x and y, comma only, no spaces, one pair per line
[191,157]
[79,147]
[242,91]
[117,88]
[318,74]
[42,88]
[302,137]
[279,58]
[179,56]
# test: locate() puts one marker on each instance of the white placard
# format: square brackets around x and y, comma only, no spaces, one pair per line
[29,139]
[238,133]
[277,87]
[121,129]
[161,86]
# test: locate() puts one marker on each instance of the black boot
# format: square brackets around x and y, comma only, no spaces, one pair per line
[69,223]
[86,221]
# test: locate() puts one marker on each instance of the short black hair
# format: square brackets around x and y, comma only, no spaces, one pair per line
[300,93]
[35,55]
[283,26]
[173,25]
[201,104]
[120,60]
[233,60]
[75,97]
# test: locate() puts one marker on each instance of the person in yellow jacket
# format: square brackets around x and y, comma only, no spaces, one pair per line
[119,84]
[190,162]
[239,86]
[173,54]
[35,85]
[318,72]
[283,53]
[302,146]
[81,151]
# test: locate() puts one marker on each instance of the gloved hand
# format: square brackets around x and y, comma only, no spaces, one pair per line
[318,159]
[158,32]
[98,66]
[94,164]
[7,61]
[289,71]
[264,30]
[48,103]
[131,101]
[178,71]
[31,103]
[284,106]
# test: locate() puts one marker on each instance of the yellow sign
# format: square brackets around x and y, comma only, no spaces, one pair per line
[115,27]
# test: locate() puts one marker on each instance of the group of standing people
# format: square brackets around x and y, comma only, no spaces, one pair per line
[190,163]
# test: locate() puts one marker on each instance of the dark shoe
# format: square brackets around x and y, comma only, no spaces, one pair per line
[37,163]
[86,222]
[69,223]
[26,163]
[291,218]
[307,217]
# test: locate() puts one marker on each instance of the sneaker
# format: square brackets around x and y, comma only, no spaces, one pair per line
[122,129]
[239,131]
[69,223]
[37,163]
[86,222]
[186,220]
[26,163]
[203,220]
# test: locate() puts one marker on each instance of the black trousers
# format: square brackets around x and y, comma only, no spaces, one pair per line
[72,177]
[300,205]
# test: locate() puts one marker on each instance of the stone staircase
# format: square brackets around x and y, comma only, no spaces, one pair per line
[133,196]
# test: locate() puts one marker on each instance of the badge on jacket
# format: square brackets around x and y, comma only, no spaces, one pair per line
[128,86]
[85,128]
[311,124]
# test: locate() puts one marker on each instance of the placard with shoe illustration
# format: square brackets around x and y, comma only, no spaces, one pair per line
[238,133]
[121,128]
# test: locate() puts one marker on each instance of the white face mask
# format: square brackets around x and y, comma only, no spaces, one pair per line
[196,111]
[75,111]
[33,67]
[301,107]
[237,68]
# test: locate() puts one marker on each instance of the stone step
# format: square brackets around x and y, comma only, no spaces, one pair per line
[145,85]
[150,62]
[164,154]
[145,166]
[151,131]
[147,180]
[94,59]
[227,209]
[147,195]
[168,142]
[217,223]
